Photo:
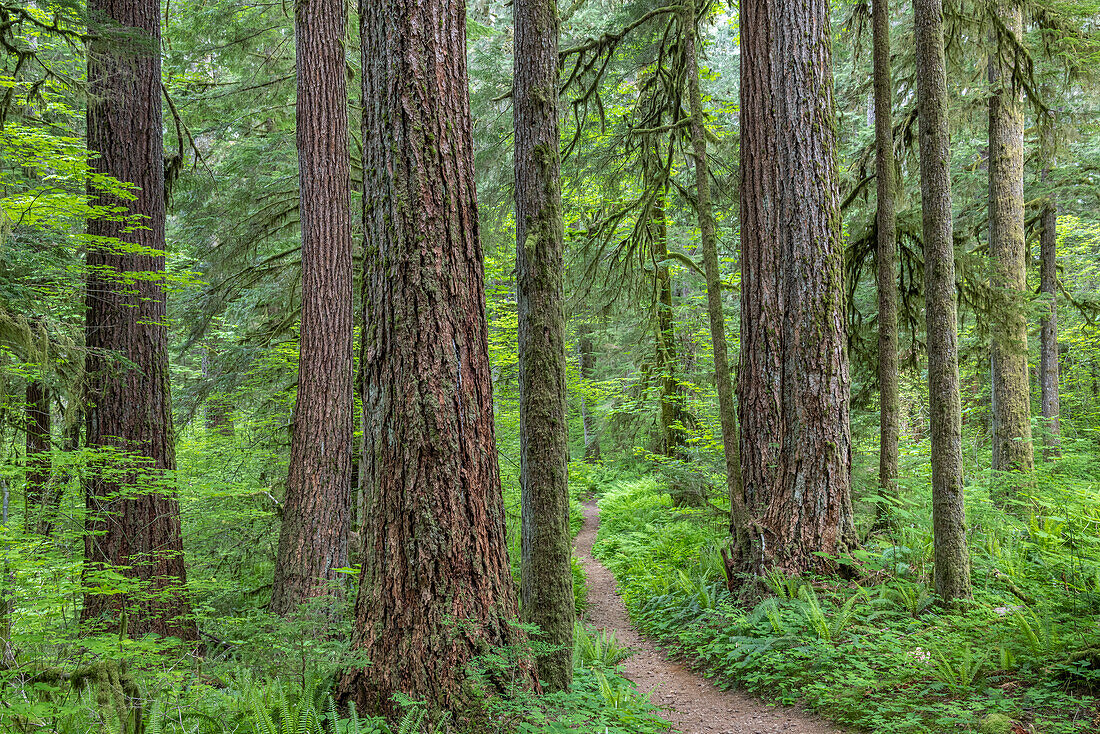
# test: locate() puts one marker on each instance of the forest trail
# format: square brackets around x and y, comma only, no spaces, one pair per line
[693,704]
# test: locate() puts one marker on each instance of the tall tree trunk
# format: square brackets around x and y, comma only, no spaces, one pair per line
[546,586]
[38,458]
[952,559]
[313,543]
[672,418]
[793,381]
[708,246]
[1049,367]
[435,590]
[1012,448]
[587,356]
[133,522]
[1048,286]
[886,259]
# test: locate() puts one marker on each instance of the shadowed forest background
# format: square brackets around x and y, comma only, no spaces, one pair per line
[320,323]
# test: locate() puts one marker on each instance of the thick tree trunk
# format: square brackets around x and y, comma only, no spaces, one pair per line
[708,246]
[38,489]
[952,559]
[314,539]
[793,381]
[435,590]
[587,356]
[133,522]
[546,587]
[1048,331]
[886,259]
[1012,447]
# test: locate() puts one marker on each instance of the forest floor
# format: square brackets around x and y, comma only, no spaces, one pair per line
[692,703]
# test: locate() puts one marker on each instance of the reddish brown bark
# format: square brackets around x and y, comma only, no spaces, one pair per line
[435,590]
[314,539]
[133,523]
[793,381]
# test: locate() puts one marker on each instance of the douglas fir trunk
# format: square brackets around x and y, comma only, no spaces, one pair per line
[435,589]
[314,539]
[793,382]
[133,522]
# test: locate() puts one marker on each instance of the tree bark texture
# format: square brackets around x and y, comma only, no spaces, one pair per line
[708,246]
[1012,447]
[313,543]
[952,562]
[133,522]
[546,586]
[793,381]
[435,589]
[38,489]
[587,356]
[1048,325]
[672,399]
[885,255]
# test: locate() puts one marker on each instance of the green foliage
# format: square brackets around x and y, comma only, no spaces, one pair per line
[880,656]
[597,648]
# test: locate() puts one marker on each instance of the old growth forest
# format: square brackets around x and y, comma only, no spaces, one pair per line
[544,366]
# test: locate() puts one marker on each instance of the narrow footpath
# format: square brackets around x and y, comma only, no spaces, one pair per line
[691,702]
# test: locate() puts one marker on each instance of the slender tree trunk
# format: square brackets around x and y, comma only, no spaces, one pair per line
[314,539]
[435,590]
[546,586]
[1012,447]
[886,259]
[587,357]
[672,418]
[133,522]
[952,579]
[1048,286]
[38,458]
[793,381]
[708,246]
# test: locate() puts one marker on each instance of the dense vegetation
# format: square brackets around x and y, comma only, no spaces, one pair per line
[295,427]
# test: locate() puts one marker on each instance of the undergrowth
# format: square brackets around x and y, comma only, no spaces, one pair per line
[879,654]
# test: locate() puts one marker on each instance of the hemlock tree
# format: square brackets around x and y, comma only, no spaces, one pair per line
[435,588]
[952,561]
[1048,287]
[885,256]
[1012,448]
[708,246]
[133,522]
[793,381]
[546,586]
[314,538]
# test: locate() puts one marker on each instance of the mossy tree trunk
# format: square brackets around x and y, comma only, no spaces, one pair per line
[133,521]
[37,493]
[435,590]
[313,543]
[886,258]
[1048,286]
[708,248]
[546,586]
[1012,447]
[587,356]
[952,561]
[793,382]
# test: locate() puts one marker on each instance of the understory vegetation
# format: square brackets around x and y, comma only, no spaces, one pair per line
[877,652]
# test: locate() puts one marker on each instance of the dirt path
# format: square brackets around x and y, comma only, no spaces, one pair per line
[693,704]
